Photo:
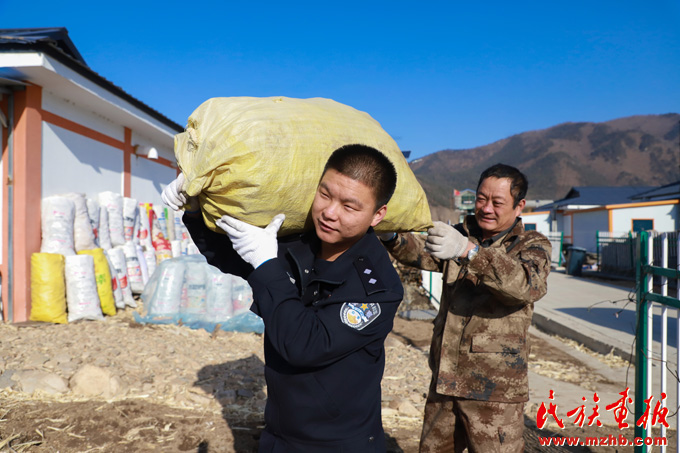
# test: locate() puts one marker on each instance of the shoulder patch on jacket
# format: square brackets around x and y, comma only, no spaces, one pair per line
[358,315]
[365,269]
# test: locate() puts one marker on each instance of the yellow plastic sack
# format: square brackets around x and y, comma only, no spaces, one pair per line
[48,288]
[252,158]
[102,274]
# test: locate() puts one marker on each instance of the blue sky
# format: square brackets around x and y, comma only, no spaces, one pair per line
[436,75]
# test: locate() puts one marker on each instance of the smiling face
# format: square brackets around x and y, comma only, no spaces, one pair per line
[342,211]
[494,209]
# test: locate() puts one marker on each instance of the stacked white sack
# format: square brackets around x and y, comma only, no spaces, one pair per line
[81,289]
[117,257]
[83,236]
[93,214]
[104,235]
[161,220]
[134,272]
[113,202]
[144,227]
[129,218]
[115,283]
[142,264]
[57,216]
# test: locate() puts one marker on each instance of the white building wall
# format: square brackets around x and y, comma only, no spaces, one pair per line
[166,150]
[74,163]
[70,110]
[585,226]
[148,179]
[541,219]
[664,217]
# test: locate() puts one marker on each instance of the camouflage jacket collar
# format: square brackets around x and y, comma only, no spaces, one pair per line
[472,229]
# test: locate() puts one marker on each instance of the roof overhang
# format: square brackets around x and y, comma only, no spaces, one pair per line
[34,67]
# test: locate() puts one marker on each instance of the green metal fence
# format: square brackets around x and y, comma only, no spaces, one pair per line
[646,272]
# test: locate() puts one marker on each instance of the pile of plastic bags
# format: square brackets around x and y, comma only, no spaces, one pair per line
[96,254]
[188,291]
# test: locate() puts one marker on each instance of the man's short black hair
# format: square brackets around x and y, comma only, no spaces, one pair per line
[518,182]
[368,166]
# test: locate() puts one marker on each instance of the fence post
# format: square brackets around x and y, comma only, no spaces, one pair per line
[597,249]
[641,337]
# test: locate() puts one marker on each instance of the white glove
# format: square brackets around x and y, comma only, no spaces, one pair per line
[445,242]
[254,244]
[173,194]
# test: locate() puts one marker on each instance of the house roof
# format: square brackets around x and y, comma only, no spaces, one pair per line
[596,196]
[668,192]
[56,43]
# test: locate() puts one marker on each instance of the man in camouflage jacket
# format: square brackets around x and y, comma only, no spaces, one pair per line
[493,272]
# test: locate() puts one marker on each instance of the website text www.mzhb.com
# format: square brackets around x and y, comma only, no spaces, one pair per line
[602,441]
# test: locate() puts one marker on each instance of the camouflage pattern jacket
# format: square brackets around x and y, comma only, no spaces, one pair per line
[479,345]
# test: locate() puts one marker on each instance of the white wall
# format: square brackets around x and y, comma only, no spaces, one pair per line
[70,110]
[585,226]
[664,217]
[74,163]
[148,179]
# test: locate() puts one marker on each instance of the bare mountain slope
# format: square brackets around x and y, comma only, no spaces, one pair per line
[637,150]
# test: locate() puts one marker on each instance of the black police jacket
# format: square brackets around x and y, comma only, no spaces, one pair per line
[325,327]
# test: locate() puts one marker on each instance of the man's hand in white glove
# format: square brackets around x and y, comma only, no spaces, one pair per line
[174,196]
[254,244]
[445,242]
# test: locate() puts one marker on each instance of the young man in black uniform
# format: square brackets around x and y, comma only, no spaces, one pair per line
[327,297]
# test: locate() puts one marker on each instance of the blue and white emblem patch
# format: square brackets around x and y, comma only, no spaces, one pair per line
[359,315]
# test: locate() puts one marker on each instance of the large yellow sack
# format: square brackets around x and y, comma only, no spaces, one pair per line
[48,288]
[102,275]
[252,158]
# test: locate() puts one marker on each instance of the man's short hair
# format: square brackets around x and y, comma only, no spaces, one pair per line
[518,182]
[368,166]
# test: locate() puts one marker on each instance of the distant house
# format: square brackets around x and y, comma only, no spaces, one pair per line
[464,201]
[586,212]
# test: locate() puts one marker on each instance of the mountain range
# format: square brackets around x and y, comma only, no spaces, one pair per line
[639,150]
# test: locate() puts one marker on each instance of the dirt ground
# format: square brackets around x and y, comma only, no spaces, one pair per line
[194,417]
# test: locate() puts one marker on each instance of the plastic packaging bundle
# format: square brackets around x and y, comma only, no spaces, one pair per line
[93,214]
[252,158]
[177,292]
[129,217]
[117,257]
[57,216]
[104,236]
[48,289]
[219,307]
[241,295]
[81,289]
[134,270]
[102,274]
[82,227]
[113,202]
[176,247]
[163,293]
[150,259]
[193,306]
